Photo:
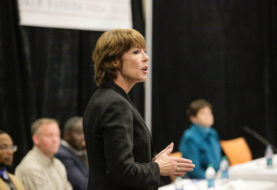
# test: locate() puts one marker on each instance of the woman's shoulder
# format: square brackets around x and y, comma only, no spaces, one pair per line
[107,95]
[105,98]
[190,131]
[191,134]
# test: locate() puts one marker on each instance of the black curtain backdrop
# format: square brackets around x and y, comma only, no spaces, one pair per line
[12,114]
[46,72]
[222,51]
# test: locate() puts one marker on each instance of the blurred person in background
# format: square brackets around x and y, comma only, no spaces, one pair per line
[7,149]
[72,153]
[200,142]
[39,169]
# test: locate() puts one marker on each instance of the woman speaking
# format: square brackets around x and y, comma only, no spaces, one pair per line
[118,142]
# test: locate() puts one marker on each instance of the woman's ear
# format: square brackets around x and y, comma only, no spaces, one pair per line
[192,119]
[116,64]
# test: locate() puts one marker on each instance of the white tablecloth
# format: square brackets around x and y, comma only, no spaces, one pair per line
[224,185]
[253,175]
[255,170]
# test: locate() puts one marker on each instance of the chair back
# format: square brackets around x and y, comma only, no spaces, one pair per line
[178,155]
[236,150]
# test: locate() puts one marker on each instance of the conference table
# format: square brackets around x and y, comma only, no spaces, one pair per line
[255,170]
[252,175]
[224,185]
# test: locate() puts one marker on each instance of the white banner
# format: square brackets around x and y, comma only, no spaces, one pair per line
[99,15]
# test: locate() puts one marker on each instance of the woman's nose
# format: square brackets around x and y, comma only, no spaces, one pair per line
[146,58]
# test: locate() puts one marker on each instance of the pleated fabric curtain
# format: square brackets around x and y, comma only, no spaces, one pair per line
[46,72]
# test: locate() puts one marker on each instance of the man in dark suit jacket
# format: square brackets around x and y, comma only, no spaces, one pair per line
[73,155]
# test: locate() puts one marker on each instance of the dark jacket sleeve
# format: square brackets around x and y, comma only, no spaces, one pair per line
[117,123]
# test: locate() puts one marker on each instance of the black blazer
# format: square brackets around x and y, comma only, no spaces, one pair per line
[77,171]
[118,143]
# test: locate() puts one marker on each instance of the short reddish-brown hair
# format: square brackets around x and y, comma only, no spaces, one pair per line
[110,46]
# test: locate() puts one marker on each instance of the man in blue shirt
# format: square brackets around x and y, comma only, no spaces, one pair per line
[200,142]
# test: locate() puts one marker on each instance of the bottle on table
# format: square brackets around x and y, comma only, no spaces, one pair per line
[210,176]
[224,167]
[178,183]
[269,156]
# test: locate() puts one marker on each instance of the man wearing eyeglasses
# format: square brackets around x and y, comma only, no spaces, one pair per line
[7,180]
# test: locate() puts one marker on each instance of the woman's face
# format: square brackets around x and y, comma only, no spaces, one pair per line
[204,117]
[134,66]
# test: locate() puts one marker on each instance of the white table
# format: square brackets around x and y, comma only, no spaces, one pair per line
[255,170]
[224,185]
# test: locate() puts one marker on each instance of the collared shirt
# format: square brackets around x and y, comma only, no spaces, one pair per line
[4,174]
[80,153]
[39,172]
[77,152]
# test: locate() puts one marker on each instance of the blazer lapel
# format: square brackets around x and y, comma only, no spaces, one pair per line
[3,185]
[16,182]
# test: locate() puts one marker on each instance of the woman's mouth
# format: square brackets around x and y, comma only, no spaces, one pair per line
[145,69]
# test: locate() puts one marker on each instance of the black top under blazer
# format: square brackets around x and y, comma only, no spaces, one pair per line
[118,143]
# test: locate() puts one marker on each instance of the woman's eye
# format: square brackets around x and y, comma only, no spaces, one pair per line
[136,51]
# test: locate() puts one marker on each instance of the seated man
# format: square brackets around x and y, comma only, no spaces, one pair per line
[39,169]
[72,153]
[200,142]
[7,180]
